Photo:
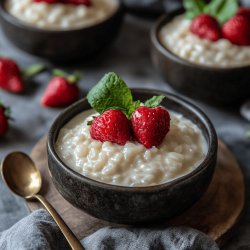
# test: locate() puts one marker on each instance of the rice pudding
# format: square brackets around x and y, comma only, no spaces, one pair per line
[177,38]
[61,16]
[182,150]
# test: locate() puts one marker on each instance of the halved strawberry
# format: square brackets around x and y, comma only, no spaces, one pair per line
[237,30]
[111,126]
[150,125]
[207,27]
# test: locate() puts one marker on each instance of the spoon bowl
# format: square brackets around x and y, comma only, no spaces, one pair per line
[23,178]
[21,175]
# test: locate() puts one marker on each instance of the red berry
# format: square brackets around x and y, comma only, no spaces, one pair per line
[10,76]
[237,30]
[3,121]
[150,125]
[111,126]
[244,12]
[60,92]
[206,27]
[78,2]
[47,1]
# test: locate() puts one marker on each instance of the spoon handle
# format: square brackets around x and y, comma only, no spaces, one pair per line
[70,237]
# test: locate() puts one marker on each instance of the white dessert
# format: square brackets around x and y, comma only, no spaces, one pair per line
[182,150]
[177,38]
[61,16]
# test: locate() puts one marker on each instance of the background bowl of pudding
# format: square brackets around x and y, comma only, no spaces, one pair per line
[133,204]
[61,32]
[213,72]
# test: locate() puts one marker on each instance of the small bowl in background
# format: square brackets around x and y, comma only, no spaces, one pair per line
[133,205]
[61,45]
[224,86]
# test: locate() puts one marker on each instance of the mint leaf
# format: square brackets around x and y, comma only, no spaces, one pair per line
[154,101]
[222,9]
[193,8]
[111,91]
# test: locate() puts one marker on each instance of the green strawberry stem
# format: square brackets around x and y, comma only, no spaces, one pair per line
[72,79]
[33,70]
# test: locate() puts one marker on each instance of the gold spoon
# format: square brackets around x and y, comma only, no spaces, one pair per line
[24,179]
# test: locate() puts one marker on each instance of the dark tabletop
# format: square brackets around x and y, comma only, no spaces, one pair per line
[129,57]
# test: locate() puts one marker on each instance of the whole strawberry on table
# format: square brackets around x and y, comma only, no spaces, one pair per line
[62,90]
[122,119]
[219,19]
[12,78]
[4,117]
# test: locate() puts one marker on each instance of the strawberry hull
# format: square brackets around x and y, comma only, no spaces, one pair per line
[133,205]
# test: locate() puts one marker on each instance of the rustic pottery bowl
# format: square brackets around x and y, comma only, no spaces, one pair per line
[61,45]
[211,84]
[133,205]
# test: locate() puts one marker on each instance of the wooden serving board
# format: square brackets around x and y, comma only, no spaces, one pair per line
[215,214]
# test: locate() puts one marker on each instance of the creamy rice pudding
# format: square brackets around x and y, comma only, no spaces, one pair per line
[61,16]
[177,37]
[182,150]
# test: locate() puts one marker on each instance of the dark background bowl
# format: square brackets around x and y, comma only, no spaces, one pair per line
[226,86]
[65,45]
[132,205]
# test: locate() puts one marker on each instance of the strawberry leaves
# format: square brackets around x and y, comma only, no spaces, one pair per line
[220,9]
[33,70]
[111,92]
[73,78]
[154,101]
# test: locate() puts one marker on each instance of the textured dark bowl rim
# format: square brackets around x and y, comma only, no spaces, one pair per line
[211,153]
[22,25]
[154,35]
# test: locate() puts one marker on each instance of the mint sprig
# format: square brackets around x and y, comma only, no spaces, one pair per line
[111,92]
[222,10]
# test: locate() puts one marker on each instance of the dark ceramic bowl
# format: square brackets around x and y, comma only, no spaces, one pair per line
[64,45]
[132,205]
[210,84]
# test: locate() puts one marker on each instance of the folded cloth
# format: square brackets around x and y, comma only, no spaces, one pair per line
[39,231]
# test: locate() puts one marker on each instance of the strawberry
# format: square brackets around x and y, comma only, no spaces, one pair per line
[46,1]
[3,120]
[61,91]
[207,27]
[237,30]
[244,12]
[10,76]
[111,126]
[150,125]
[77,2]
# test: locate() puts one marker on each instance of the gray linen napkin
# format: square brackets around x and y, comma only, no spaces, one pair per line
[38,231]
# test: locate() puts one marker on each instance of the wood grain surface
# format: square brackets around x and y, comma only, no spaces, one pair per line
[215,214]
